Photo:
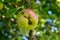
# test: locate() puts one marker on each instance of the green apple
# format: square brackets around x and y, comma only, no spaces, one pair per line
[27,21]
[1,6]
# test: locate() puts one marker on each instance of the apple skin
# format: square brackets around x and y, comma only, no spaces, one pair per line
[1,6]
[27,21]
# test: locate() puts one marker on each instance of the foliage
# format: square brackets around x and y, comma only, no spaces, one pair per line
[48,27]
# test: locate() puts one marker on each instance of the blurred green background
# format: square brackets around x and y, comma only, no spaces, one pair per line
[48,27]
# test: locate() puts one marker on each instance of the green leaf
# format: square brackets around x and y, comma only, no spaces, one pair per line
[0,0]
[19,38]
[14,1]
[11,12]
[10,6]
[7,0]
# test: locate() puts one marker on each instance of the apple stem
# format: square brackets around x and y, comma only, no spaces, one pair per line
[31,35]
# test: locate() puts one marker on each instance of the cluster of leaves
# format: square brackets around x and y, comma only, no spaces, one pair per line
[49,18]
